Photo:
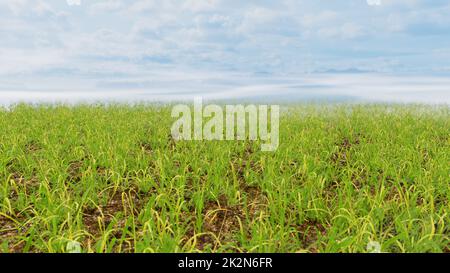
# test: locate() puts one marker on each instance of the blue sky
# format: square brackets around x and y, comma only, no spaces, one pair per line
[134,44]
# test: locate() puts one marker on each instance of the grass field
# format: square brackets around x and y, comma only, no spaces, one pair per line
[111,179]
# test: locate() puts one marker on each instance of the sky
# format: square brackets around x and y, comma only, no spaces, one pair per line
[221,46]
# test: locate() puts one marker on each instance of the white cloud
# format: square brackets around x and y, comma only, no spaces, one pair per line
[21,61]
[106,6]
[254,19]
[73,2]
[201,6]
[17,6]
[345,31]
[374,2]
[314,20]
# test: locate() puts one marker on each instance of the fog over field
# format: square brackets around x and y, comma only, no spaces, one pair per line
[315,88]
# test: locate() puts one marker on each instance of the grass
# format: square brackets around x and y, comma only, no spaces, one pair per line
[111,179]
